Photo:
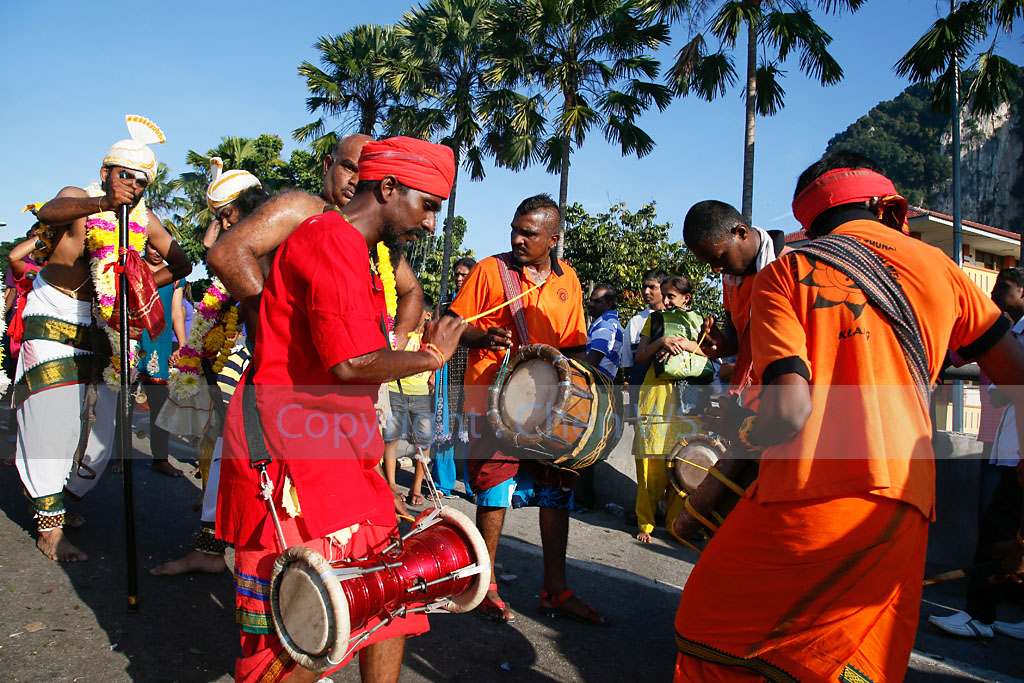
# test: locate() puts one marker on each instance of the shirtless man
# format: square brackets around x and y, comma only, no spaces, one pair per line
[242,256]
[56,362]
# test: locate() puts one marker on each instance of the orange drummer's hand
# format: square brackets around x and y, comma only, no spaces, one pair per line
[497,338]
[445,333]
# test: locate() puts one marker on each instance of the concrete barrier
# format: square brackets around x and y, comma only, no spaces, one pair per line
[957,473]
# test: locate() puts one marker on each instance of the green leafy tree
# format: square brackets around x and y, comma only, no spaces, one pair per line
[585,63]
[348,86]
[774,30]
[903,136]
[619,245]
[425,255]
[939,56]
[260,156]
[441,64]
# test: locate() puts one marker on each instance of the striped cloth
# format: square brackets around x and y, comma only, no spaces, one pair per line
[605,336]
[231,373]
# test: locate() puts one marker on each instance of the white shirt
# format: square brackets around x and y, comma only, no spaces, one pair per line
[1005,446]
[633,330]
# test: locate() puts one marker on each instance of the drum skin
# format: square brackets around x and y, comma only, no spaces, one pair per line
[689,461]
[316,614]
[555,408]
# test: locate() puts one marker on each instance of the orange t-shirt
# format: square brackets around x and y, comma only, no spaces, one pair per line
[867,431]
[554,316]
[736,300]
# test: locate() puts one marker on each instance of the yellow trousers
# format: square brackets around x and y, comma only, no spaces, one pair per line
[651,484]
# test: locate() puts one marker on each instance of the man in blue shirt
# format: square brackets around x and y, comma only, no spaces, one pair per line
[604,338]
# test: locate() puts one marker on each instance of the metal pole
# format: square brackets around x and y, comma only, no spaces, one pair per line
[124,436]
[958,249]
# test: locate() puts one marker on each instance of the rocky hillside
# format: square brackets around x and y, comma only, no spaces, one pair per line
[912,144]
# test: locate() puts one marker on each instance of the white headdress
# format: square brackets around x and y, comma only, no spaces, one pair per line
[225,187]
[133,152]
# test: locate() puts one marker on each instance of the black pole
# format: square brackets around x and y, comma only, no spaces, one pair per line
[124,436]
[958,249]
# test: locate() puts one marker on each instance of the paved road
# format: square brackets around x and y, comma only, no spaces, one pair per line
[69,622]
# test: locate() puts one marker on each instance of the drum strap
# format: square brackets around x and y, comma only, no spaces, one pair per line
[513,287]
[867,271]
[259,454]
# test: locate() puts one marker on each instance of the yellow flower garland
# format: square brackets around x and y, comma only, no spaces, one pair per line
[387,278]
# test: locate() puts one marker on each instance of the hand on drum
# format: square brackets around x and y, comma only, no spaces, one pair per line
[725,418]
[445,333]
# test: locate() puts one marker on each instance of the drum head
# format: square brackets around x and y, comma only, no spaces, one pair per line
[469,600]
[310,612]
[529,393]
[691,462]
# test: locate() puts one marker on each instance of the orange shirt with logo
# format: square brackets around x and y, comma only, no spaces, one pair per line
[868,431]
[554,316]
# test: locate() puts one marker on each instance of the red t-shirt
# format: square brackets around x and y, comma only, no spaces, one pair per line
[321,305]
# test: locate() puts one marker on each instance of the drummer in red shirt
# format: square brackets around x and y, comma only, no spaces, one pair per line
[552,314]
[321,355]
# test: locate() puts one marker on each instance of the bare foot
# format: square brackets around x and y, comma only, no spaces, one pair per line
[56,546]
[643,537]
[194,561]
[165,467]
[400,509]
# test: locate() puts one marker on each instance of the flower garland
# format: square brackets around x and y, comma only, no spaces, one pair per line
[5,381]
[386,272]
[101,240]
[207,339]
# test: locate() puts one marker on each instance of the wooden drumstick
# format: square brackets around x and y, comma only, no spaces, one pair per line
[984,567]
[501,306]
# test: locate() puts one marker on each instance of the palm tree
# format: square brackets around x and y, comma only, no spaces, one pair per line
[259,156]
[584,59]
[772,27]
[347,86]
[938,57]
[441,62]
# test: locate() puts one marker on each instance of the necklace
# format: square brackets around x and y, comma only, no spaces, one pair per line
[73,293]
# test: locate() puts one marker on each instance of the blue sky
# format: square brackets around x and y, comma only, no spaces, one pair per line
[205,70]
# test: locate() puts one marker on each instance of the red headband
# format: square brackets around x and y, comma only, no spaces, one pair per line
[847,186]
[418,164]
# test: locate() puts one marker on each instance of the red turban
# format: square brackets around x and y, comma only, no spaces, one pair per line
[847,186]
[418,164]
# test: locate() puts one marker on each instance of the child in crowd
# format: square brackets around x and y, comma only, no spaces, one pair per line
[412,416]
[668,334]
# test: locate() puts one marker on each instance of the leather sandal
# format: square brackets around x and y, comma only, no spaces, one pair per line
[557,610]
[496,610]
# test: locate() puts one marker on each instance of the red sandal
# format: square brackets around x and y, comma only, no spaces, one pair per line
[556,609]
[496,610]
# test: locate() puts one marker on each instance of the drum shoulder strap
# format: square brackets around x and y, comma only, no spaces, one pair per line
[513,287]
[259,454]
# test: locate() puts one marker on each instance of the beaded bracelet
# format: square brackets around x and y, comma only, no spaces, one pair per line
[433,349]
[746,427]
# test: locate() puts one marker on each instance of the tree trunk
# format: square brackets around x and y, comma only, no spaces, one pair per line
[449,226]
[748,141]
[563,196]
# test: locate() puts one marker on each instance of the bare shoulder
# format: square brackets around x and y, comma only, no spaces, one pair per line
[154,220]
[71,191]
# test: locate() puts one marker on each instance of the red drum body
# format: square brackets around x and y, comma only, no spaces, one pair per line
[554,406]
[320,609]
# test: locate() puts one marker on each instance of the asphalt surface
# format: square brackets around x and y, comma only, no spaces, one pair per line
[69,622]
